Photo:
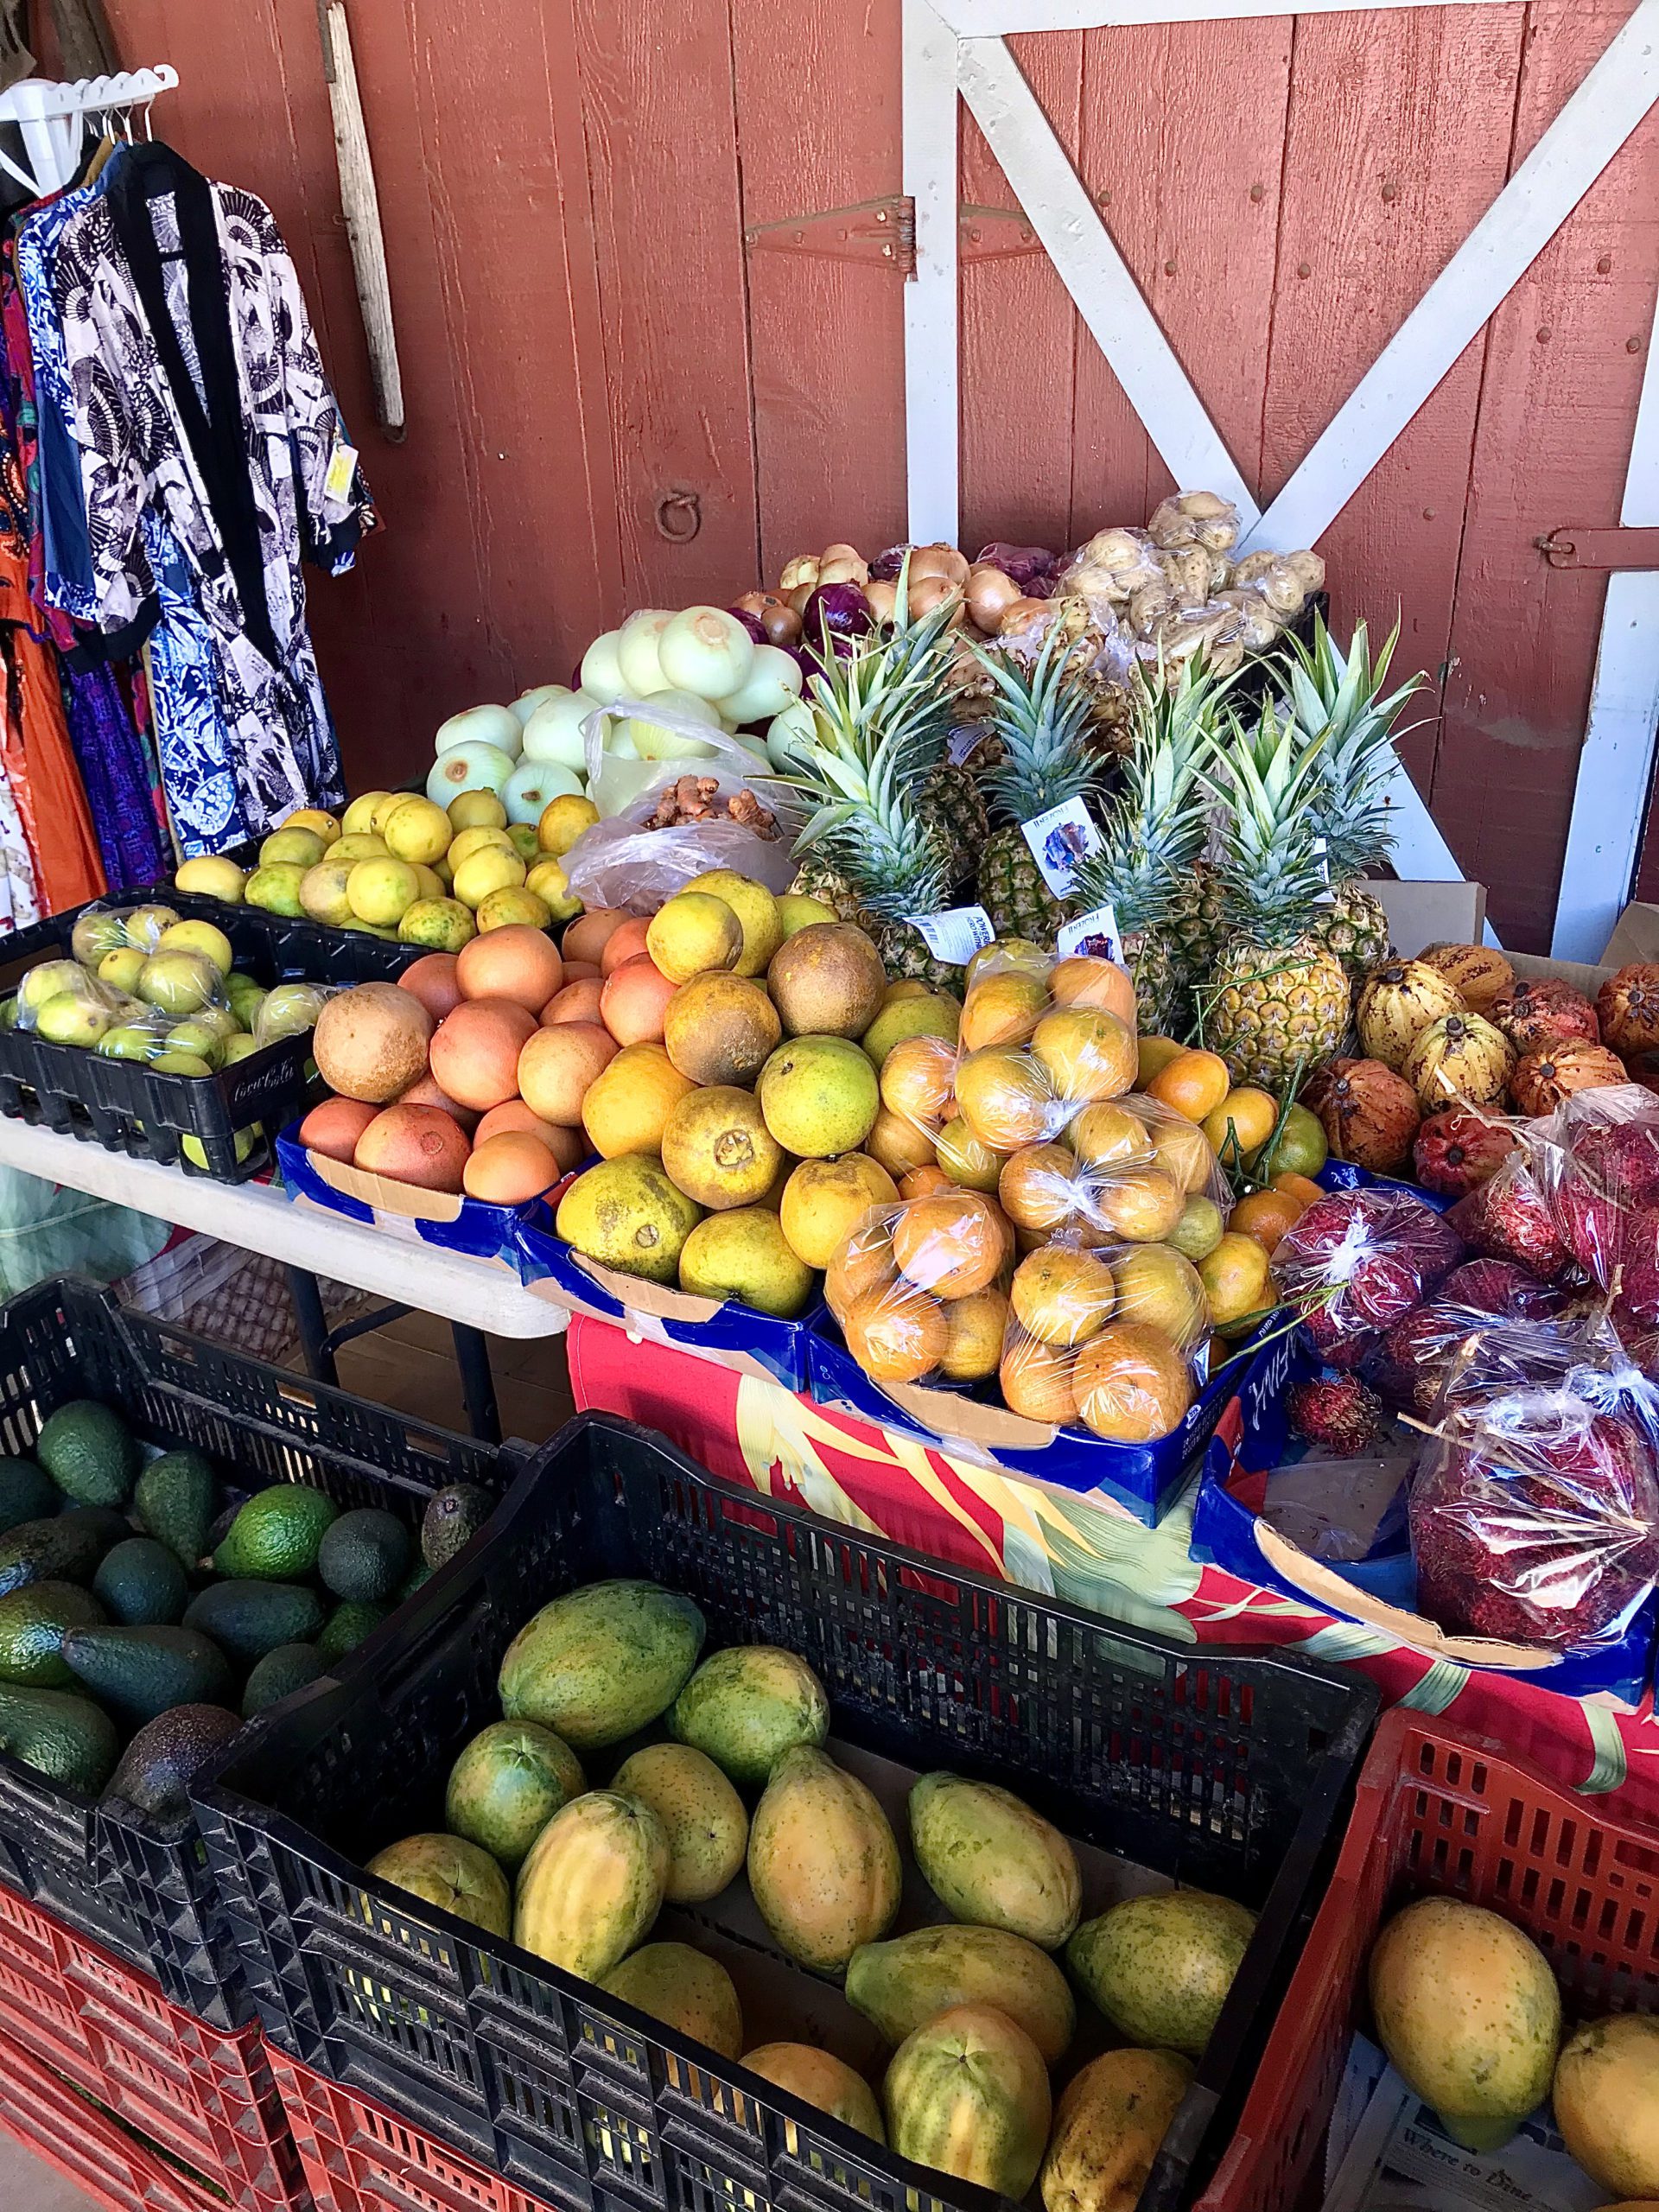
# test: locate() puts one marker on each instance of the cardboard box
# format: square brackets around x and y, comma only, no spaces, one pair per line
[449,1223]
[1422,913]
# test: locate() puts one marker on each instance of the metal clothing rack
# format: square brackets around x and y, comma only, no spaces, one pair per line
[52,119]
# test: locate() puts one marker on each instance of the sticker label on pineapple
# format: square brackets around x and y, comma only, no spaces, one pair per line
[961,743]
[1320,850]
[1094,934]
[341,473]
[1060,841]
[956,935]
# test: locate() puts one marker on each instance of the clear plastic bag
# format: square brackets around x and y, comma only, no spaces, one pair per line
[1506,1218]
[920,1289]
[1195,518]
[1110,1339]
[1596,1164]
[1534,1509]
[1357,1262]
[626,861]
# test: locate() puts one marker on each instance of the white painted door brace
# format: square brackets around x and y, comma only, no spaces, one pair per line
[952,45]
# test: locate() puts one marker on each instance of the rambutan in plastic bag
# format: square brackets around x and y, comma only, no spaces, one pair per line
[1535,1508]
[1357,1262]
[1595,1161]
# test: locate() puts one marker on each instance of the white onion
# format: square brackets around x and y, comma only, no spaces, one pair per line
[706,650]
[789,735]
[602,678]
[774,680]
[533,783]
[554,731]
[490,725]
[635,652]
[618,740]
[655,741]
[472,766]
[537,695]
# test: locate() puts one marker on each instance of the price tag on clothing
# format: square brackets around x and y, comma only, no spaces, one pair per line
[1094,933]
[1060,841]
[956,935]
[341,473]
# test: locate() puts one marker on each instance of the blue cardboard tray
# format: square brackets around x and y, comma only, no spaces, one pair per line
[450,1224]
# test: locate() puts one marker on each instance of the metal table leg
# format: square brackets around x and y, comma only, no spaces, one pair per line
[477,1383]
[313,1324]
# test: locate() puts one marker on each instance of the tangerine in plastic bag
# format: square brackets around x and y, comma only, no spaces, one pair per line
[976,1325]
[1061,1294]
[1131,1384]
[1036,1379]
[1088,1054]
[951,1242]
[897,1333]
[1007,1099]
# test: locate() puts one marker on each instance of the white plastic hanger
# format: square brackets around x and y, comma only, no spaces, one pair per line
[53,119]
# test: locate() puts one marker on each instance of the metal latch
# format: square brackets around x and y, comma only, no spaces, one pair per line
[883,230]
[1610,549]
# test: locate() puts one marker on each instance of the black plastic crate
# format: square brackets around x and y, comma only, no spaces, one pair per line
[127,1106]
[1222,1768]
[144,1891]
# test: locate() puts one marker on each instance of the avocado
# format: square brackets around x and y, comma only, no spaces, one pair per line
[247,1619]
[158,1765]
[32,1624]
[90,1453]
[175,1501]
[418,1574]
[276,1535]
[453,1518]
[61,1735]
[365,1554]
[139,1672]
[348,1624]
[279,1675]
[27,1493]
[141,1582]
[66,1549]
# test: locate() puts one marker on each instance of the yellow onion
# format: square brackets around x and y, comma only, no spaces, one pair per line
[990,594]
[937,561]
[927,592]
[882,599]
[1021,612]
[803,569]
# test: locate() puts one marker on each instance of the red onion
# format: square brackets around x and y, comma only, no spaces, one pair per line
[1022,563]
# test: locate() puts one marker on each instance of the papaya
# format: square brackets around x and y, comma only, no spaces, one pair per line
[901,1984]
[990,1860]
[967,2094]
[746,1706]
[1470,2014]
[685,1989]
[702,1817]
[593,1883]
[1160,1967]
[1606,2098]
[1109,2122]
[819,2078]
[602,1662]
[449,1871]
[824,1863]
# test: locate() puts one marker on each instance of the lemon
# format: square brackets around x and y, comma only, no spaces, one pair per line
[211,879]
[484,872]
[418,831]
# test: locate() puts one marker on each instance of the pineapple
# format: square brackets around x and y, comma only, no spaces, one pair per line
[869,850]
[1041,714]
[1336,698]
[1198,923]
[1275,1003]
[1153,830]
[953,802]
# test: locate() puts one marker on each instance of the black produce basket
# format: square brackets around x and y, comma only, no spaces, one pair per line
[296,947]
[1221,1769]
[144,1891]
[127,1106]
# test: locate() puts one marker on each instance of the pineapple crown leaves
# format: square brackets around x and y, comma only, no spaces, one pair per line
[1041,714]
[1153,829]
[1335,697]
[1272,871]
[881,715]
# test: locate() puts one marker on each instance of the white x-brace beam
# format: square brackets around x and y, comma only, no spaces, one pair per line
[956,47]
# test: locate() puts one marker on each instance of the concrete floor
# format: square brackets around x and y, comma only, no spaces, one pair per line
[408,1365]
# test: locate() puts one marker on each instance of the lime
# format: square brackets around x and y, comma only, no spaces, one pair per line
[1299,1146]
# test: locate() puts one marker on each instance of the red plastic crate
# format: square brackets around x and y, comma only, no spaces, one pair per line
[203,2095]
[93,2151]
[358,2157]
[1440,1812]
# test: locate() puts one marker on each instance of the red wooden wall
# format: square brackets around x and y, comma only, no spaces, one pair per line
[566,185]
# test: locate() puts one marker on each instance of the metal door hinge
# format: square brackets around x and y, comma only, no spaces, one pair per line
[883,230]
[1610,549]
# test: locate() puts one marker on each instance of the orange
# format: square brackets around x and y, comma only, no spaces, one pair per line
[1153,1053]
[1193,1082]
[922,1182]
[1299,1187]
[896,1334]
[1238,1281]
[1036,1379]
[1062,1296]
[1246,1117]
[1131,1384]
[1266,1215]
[951,1242]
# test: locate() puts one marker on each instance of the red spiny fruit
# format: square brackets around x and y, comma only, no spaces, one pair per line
[1336,1412]
[1371,1255]
[1457,1150]
[1410,1362]
[1507,1219]
[1499,1287]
